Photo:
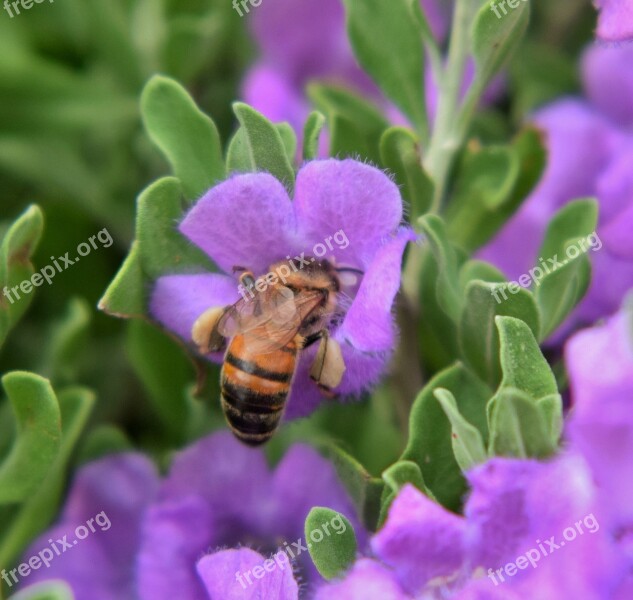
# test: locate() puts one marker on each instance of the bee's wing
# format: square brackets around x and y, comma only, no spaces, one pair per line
[283,324]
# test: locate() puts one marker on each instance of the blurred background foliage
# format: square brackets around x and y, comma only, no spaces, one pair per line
[72,141]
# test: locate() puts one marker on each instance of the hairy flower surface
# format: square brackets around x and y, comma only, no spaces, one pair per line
[250,221]
[615,22]
[590,148]
[219,511]
[524,508]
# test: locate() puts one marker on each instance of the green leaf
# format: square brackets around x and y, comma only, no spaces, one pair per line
[289,139]
[40,508]
[331,541]
[38,438]
[486,178]
[162,248]
[55,590]
[102,441]
[66,344]
[186,136]
[363,489]
[311,135]
[479,269]
[387,42]
[125,296]
[18,245]
[264,146]
[355,125]
[478,337]
[165,372]
[522,362]
[430,445]
[564,275]
[517,427]
[400,153]
[448,262]
[495,39]
[468,445]
[396,477]
[551,407]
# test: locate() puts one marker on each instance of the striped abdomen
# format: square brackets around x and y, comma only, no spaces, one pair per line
[255,389]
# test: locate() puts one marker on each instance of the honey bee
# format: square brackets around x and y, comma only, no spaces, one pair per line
[265,335]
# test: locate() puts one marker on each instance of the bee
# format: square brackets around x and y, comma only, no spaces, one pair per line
[265,335]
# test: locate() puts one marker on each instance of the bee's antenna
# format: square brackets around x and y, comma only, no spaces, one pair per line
[349,270]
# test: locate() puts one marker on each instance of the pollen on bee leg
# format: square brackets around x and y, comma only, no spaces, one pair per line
[328,366]
[204,332]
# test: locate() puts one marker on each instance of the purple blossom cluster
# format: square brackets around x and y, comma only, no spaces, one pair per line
[590,151]
[546,530]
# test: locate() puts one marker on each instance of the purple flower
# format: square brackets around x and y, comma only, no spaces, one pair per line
[600,365]
[220,512]
[250,221]
[615,22]
[546,530]
[590,146]
[314,48]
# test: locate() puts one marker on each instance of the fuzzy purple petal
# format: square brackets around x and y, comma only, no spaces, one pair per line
[243,221]
[220,571]
[178,300]
[215,469]
[367,580]
[608,81]
[368,324]
[600,366]
[615,21]
[175,534]
[266,90]
[420,540]
[333,195]
[121,487]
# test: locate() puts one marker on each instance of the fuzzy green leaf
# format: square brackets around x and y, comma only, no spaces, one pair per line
[430,444]
[125,296]
[186,136]
[396,63]
[400,153]
[331,541]
[263,145]
[522,362]
[38,435]
[311,135]
[468,445]
[478,337]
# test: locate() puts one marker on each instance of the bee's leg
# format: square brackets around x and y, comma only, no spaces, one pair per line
[204,332]
[328,366]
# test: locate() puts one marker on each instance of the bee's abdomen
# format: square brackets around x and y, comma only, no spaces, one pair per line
[255,389]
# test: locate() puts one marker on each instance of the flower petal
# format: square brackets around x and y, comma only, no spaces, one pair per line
[178,300]
[175,534]
[350,198]
[367,580]
[243,221]
[114,490]
[230,575]
[214,469]
[420,540]
[368,324]
[608,81]
[615,21]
